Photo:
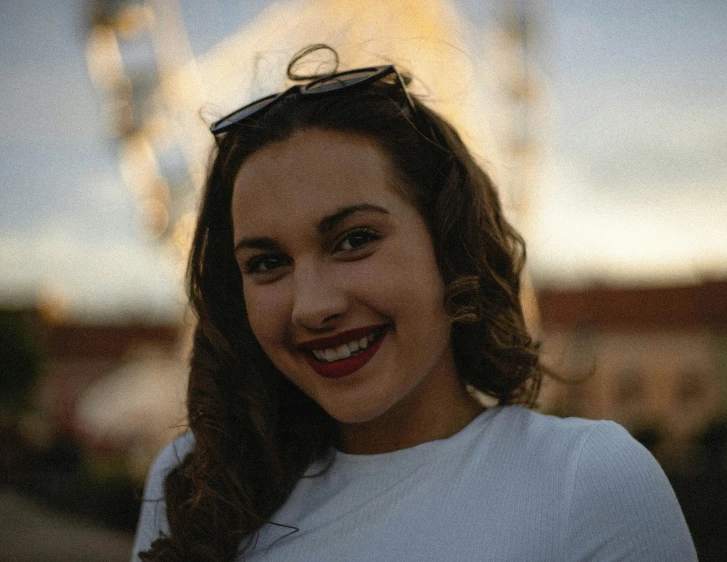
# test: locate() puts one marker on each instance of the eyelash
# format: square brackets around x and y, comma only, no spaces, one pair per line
[369,235]
[252,265]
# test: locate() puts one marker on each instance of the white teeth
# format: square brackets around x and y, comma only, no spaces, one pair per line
[345,350]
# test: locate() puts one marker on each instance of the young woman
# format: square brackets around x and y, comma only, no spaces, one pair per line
[355,280]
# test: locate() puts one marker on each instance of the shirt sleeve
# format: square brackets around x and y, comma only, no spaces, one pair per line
[622,505]
[153,516]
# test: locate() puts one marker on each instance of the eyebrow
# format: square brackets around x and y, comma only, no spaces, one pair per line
[325,225]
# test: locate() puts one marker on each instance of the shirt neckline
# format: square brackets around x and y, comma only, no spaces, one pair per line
[369,462]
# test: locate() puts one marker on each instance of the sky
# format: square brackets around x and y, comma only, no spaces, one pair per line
[632,187]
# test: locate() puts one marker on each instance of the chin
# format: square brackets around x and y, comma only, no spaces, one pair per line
[356,413]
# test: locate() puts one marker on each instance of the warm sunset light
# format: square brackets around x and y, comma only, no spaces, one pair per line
[603,127]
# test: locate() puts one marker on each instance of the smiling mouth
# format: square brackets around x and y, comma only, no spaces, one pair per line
[345,359]
[346,350]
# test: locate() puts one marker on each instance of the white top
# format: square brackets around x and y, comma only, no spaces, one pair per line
[512,485]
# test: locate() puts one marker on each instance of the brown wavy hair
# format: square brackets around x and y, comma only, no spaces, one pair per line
[255,432]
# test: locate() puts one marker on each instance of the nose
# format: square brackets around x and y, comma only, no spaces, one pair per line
[317,299]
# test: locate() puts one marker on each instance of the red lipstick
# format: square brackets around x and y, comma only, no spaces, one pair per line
[339,339]
[349,365]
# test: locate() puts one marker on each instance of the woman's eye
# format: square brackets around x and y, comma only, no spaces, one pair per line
[356,239]
[264,264]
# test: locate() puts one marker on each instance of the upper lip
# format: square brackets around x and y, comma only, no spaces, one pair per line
[339,339]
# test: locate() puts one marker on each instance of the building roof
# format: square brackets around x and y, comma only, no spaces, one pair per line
[602,307]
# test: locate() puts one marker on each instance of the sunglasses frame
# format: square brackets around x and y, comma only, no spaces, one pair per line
[338,84]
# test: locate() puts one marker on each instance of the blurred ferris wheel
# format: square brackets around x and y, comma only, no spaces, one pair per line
[135,51]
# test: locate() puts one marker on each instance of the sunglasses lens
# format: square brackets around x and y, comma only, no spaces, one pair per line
[243,113]
[339,81]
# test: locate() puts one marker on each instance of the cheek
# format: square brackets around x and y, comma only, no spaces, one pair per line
[413,281]
[265,312]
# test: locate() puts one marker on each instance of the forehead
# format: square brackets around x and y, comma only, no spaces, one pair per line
[309,174]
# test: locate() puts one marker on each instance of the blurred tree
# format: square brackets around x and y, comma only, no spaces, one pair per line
[21,361]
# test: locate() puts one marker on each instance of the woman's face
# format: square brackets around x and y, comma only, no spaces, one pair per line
[340,280]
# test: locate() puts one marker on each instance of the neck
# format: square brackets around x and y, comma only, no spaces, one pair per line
[417,420]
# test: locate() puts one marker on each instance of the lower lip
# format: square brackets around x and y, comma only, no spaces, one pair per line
[348,366]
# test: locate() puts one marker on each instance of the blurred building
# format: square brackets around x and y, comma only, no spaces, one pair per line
[114,388]
[658,358]
[79,355]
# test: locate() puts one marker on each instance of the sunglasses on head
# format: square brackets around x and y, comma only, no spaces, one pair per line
[333,84]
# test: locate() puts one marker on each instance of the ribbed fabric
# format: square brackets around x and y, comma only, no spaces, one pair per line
[513,485]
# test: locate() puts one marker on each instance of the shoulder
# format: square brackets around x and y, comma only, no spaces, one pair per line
[168,458]
[543,437]
[586,446]
[616,501]
[153,515]
[535,452]
[620,504]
